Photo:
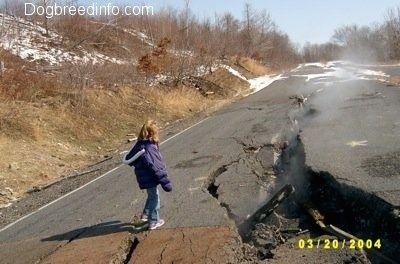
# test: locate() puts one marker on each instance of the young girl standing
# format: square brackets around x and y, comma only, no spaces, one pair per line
[150,170]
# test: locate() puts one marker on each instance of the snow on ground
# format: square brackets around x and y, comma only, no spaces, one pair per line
[234,72]
[147,40]
[143,37]
[262,82]
[256,84]
[28,41]
[340,71]
[335,71]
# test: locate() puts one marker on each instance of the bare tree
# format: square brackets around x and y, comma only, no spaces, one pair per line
[392,30]
[78,78]
[2,68]
[248,28]
[262,42]
[229,27]
[363,44]
[45,19]
[321,52]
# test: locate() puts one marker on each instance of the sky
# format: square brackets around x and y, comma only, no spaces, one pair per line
[303,20]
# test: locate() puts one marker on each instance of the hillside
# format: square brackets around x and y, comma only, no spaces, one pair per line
[66,102]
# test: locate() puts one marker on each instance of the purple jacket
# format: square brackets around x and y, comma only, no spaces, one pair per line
[150,168]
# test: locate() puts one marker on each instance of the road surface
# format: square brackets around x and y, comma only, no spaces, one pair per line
[221,167]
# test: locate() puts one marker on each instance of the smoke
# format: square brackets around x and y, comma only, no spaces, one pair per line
[360,54]
[336,89]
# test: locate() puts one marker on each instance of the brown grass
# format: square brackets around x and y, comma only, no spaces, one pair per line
[176,103]
[16,122]
[229,85]
[253,66]
[49,139]
[52,124]
[21,82]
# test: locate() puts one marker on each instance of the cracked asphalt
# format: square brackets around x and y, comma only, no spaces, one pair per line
[221,168]
[228,139]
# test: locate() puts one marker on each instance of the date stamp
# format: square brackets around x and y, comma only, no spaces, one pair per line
[339,244]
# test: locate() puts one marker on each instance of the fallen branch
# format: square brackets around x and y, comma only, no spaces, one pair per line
[101,161]
[267,208]
[82,173]
[41,188]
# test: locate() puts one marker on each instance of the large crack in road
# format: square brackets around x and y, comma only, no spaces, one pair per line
[301,219]
[373,224]
[311,199]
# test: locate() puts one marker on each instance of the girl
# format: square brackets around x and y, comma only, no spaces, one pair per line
[150,170]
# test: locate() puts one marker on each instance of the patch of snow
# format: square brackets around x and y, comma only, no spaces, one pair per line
[143,37]
[262,82]
[256,84]
[29,42]
[340,71]
[203,70]
[234,72]
[373,73]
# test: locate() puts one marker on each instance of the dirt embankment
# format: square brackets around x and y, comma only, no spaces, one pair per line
[57,131]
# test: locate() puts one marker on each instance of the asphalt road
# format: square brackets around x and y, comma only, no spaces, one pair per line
[214,150]
[230,150]
[355,134]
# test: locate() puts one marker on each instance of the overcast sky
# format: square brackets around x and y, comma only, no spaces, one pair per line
[303,20]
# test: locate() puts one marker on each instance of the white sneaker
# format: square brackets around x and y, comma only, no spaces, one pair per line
[154,225]
[144,217]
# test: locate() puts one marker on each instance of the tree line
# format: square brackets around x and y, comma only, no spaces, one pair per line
[379,42]
[253,35]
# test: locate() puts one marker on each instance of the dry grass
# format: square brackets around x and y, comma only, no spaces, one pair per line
[21,82]
[229,85]
[14,123]
[53,124]
[253,66]
[176,103]
[48,139]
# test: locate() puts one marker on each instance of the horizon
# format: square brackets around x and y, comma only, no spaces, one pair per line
[305,22]
[298,22]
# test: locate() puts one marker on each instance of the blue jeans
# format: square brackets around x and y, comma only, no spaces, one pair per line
[152,205]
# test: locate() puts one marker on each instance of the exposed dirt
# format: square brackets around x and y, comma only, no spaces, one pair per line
[188,245]
[92,248]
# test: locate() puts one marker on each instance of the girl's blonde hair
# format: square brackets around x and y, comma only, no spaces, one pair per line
[149,131]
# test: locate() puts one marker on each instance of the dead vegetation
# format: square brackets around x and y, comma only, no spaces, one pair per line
[53,124]
[58,117]
[49,138]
